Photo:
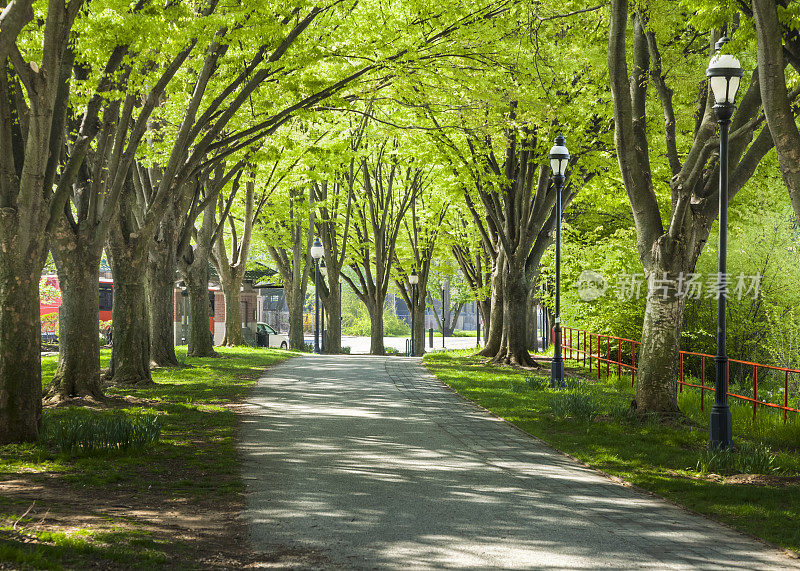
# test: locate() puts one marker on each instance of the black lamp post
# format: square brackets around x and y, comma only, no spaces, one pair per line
[724,73]
[559,157]
[316,253]
[323,269]
[413,279]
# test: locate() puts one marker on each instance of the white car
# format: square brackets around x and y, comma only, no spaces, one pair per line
[264,333]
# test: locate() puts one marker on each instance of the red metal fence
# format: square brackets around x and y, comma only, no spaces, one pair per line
[596,350]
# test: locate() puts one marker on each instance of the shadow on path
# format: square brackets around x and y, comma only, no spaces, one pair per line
[368,462]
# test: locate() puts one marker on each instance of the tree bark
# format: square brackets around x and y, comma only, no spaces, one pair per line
[161,271]
[233,314]
[533,321]
[333,311]
[376,346]
[78,372]
[513,342]
[494,331]
[20,368]
[775,96]
[657,379]
[130,354]
[201,341]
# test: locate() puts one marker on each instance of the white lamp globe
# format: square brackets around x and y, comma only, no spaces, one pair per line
[724,73]
[559,156]
[317,250]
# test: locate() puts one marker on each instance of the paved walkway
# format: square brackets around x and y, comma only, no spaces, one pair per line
[370,463]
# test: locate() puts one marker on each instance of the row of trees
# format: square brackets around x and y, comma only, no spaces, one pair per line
[400,136]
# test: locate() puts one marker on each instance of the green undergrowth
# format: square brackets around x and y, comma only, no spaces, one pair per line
[171,441]
[592,420]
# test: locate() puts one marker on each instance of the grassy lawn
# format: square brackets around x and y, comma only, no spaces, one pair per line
[591,420]
[108,509]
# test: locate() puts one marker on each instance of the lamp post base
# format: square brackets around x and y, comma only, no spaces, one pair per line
[557,373]
[721,427]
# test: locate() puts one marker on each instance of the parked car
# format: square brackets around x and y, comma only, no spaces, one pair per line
[266,336]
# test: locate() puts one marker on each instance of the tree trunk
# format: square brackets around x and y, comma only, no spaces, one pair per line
[333,310]
[233,315]
[376,346]
[513,344]
[533,322]
[161,271]
[656,381]
[294,302]
[78,372]
[419,328]
[20,340]
[201,342]
[485,315]
[775,96]
[130,354]
[494,332]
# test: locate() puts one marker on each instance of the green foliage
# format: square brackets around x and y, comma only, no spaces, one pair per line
[360,325]
[79,432]
[745,458]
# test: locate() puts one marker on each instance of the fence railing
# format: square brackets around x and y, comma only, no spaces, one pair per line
[598,351]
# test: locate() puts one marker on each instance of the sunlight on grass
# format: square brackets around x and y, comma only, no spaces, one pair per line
[197,442]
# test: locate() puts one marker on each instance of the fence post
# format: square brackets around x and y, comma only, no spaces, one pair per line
[619,359]
[680,376]
[785,396]
[608,356]
[702,382]
[755,391]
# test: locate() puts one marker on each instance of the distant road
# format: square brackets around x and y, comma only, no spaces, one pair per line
[360,345]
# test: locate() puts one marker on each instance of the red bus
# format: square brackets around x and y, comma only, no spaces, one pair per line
[49,311]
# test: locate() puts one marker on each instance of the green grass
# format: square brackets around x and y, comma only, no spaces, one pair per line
[194,459]
[665,458]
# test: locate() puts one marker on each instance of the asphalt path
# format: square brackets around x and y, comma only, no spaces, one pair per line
[363,462]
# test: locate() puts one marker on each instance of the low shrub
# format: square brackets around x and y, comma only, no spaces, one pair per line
[537,383]
[81,432]
[744,458]
[345,350]
[391,351]
[581,407]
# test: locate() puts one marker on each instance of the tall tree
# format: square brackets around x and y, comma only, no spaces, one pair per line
[423,228]
[33,100]
[194,260]
[389,188]
[289,246]
[669,248]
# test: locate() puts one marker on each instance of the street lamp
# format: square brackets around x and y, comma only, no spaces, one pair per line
[323,269]
[724,74]
[559,157]
[413,279]
[316,253]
